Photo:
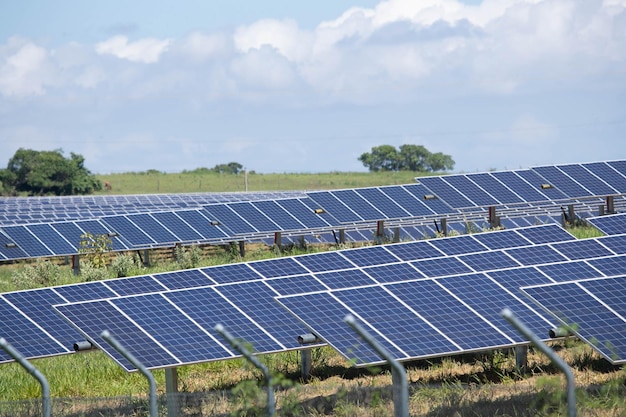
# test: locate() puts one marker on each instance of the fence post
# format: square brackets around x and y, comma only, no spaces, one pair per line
[154,411]
[238,345]
[30,368]
[398,374]
[571,386]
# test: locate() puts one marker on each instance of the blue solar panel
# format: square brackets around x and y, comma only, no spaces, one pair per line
[440,188]
[9,249]
[569,271]
[502,239]
[85,291]
[71,232]
[458,244]
[582,249]
[537,182]
[535,255]
[278,215]
[488,299]
[373,255]
[436,205]
[441,267]
[446,312]
[408,201]
[519,186]
[546,234]
[324,262]
[344,279]
[383,203]
[227,218]
[415,250]
[616,244]
[513,279]
[611,292]
[93,317]
[296,285]
[231,273]
[128,231]
[586,179]
[495,188]
[614,224]
[590,319]
[182,230]
[328,202]
[153,228]
[610,266]
[134,285]
[172,329]
[469,189]
[27,242]
[53,240]
[201,224]
[26,336]
[278,267]
[489,261]
[358,204]
[207,308]
[306,215]
[393,273]
[608,175]
[183,279]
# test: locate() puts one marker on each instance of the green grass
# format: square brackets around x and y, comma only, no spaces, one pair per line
[154,182]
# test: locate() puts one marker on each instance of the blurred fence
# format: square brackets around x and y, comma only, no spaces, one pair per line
[342,400]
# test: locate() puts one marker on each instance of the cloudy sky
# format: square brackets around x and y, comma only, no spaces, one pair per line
[291,86]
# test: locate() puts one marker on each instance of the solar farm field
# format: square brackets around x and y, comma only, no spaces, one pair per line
[432,298]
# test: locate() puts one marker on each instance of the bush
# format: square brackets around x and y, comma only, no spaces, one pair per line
[188,257]
[40,274]
[90,272]
[123,264]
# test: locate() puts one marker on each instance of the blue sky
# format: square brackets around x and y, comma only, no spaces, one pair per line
[284,86]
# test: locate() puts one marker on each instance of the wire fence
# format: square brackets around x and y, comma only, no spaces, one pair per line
[306,400]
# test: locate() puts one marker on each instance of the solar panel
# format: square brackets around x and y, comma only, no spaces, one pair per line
[387,206]
[583,307]
[443,190]
[501,192]
[609,175]
[591,183]
[614,224]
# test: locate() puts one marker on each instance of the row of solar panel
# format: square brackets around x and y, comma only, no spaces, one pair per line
[547,183]
[323,211]
[24,210]
[541,184]
[219,222]
[418,308]
[241,295]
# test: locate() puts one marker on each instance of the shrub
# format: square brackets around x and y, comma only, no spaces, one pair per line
[40,274]
[90,272]
[188,257]
[123,264]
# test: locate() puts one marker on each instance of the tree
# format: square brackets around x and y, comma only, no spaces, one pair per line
[47,173]
[408,158]
[229,168]
[382,158]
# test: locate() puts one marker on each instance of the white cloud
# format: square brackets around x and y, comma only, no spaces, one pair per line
[147,50]
[283,35]
[200,46]
[25,70]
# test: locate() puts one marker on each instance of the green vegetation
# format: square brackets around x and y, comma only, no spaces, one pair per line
[414,158]
[47,173]
[152,181]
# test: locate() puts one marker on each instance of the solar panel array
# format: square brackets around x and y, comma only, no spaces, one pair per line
[399,291]
[594,309]
[38,331]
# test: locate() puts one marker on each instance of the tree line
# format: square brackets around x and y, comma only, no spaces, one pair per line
[38,173]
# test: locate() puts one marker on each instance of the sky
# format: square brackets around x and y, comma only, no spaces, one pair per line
[284,86]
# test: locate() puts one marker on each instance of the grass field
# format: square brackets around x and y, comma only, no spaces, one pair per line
[485,384]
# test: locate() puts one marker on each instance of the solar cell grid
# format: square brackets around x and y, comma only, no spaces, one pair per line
[278,267]
[183,279]
[513,181]
[443,190]
[440,267]
[344,279]
[608,175]
[231,273]
[296,285]
[358,204]
[611,266]
[383,203]
[473,192]
[227,218]
[585,315]
[502,239]
[537,181]
[586,179]
[458,244]
[393,273]
[374,255]
[437,205]
[546,234]
[535,255]
[486,261]
[495,188]
[329,203]
[278,215]
[569,271]
[614,224]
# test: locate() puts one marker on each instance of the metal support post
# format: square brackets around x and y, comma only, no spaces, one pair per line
[444,226]
[76,264]
[154,411]
[398,374]
[306,363]
[610,204]
[242,248]
[146,257]
[601,210]
[380,231]
[278,241]
[571,213]
[238,345]
[342,236]
[521,359]
[171,392]
[396,235]
[571,387]
[30,368]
